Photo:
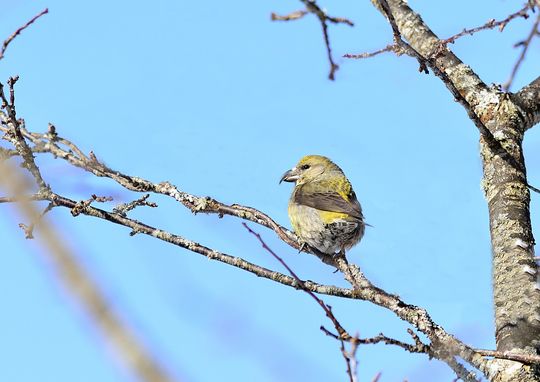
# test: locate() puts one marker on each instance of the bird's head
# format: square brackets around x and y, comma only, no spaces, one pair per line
[309,168]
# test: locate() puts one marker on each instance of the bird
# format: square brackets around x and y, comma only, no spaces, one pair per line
[323,208]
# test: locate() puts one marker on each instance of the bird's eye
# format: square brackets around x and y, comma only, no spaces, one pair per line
[305,167]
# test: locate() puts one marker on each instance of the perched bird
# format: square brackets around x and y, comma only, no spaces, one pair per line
[323,208]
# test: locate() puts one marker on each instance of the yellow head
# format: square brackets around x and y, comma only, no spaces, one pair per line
[312,168]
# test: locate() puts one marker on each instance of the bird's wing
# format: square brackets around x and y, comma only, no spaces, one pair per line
[330,201]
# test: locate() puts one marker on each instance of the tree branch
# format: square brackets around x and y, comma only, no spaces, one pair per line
[489,25]
[14,135]
[18,31]
[364,290]
[312,7]
[526,43]
[77,281]
[504,179]
[402,46]
[526,358]
[528,99]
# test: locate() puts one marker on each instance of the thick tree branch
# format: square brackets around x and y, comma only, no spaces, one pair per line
[502,123]
[528,99]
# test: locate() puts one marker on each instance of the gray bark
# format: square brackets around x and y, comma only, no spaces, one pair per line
[507,116]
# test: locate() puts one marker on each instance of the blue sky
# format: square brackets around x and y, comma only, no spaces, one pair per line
[220,101]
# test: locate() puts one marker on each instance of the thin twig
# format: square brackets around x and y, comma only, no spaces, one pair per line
[312,7]
[327,309]
[291,16]
[122,209]
[79,207]
[18,31]
[343,335]
[419,347]
[350,357]
[388,48]
[15,134]
[22,199]
[526,44]
[489,25]
[30,228]
[533,188]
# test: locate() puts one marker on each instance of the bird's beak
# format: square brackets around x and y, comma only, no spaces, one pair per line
[290,176]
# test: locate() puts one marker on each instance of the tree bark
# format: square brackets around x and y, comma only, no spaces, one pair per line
[507,116]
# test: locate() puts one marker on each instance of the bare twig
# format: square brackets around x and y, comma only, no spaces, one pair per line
[327,309]
[442,43]
[526,43]
[15,135]
[30,228]
[364,290]
[350,358]
[388,48]
[80,206]
[22,199]
[343,335]
[122,209]
[291,16]
[10,38]
[419,347]
[49,143]
[533,188]
[312,7]
[489,25]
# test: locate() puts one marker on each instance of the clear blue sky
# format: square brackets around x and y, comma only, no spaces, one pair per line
[220,101]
